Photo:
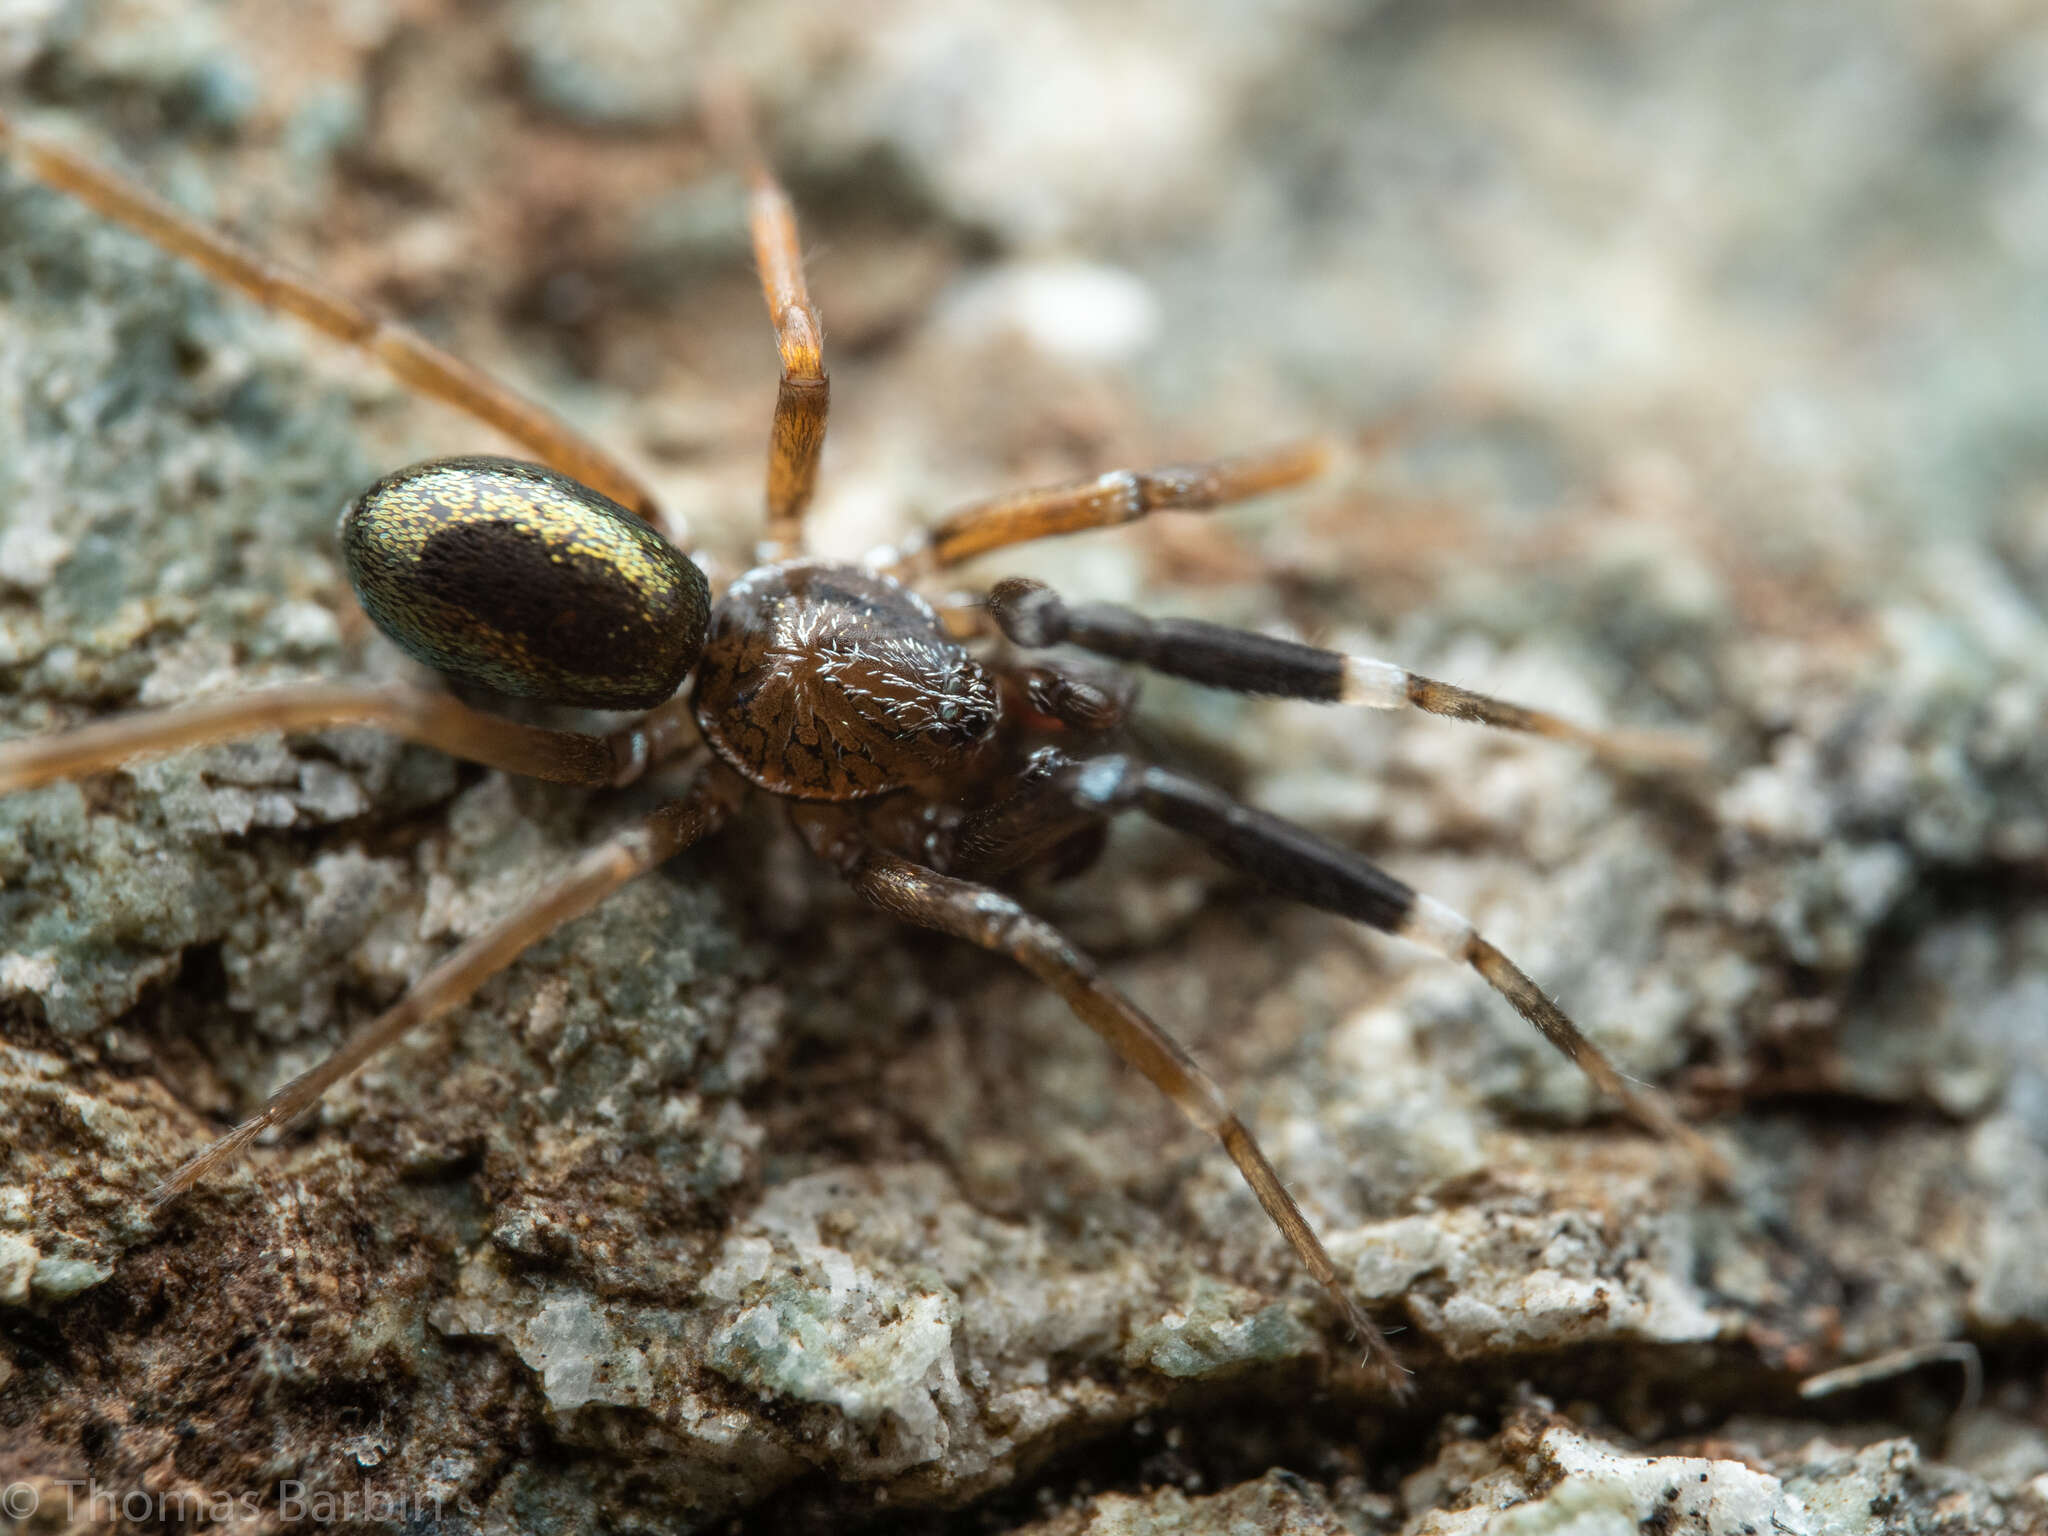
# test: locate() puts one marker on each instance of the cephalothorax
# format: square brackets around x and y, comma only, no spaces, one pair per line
[830,682]
[917,751]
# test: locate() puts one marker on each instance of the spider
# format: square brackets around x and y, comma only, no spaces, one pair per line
[916,748]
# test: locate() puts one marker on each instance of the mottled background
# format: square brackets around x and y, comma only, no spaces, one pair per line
[1717,336]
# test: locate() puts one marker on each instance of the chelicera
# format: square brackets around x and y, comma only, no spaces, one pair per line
[923,754]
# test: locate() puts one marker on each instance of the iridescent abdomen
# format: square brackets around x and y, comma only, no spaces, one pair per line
[520,580]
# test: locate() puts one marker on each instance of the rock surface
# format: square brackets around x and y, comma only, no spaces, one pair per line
[1715,339]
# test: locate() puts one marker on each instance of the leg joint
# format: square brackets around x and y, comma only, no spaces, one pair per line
[1029,612]
[1103,784]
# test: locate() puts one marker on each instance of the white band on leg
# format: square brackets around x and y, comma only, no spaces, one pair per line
[1373,684]
[1435,926]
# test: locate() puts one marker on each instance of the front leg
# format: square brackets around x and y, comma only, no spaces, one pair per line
[1032,615]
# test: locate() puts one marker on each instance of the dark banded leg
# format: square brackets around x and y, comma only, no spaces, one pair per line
[803,398]
[408,356]
[1121,496]
[1298,864]
[416,714]
[599,872]
[1243,661]
[993,921]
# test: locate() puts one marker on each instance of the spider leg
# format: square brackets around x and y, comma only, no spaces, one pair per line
[1121,496]
[1035,813]
[803,397]
[409,357]
[986,917]
[1309,869]
[1243,661]
[417,714]
[595,875]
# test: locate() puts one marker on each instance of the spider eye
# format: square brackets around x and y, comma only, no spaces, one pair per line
[520,580]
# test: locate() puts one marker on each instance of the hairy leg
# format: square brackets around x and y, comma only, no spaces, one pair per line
[599,872]
[1121,496]
[995,922]
[1309,869]
[803,397]
[1243,661]
[417,714]
[409,357]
